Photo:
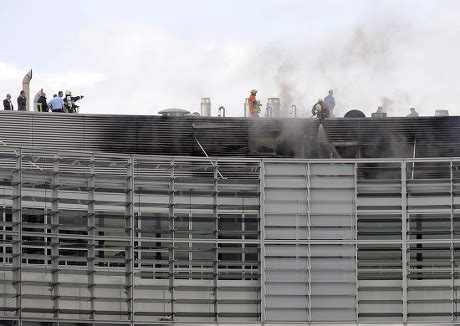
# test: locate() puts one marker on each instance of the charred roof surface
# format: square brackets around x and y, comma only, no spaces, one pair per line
[234,137]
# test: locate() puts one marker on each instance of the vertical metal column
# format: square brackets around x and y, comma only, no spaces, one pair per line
[172,233]
[92,234]
[216,244]
[243,237]
[452,256]
[263,293]
[355,238]
[189,236]
[17,229]
[404,238]
[309,238]
[56,245]
[129,262]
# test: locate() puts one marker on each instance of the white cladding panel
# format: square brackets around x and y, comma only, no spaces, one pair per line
[309,282]
[113,239]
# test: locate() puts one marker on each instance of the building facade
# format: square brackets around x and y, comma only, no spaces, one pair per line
[94,238]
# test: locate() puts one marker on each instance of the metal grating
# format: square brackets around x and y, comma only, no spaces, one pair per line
[127,239]
[307,281]
[233,137]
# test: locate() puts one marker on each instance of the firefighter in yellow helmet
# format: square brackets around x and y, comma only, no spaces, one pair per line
[320,110]
[69,102]
[254,105]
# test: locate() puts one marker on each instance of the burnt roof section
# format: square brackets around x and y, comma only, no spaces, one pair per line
[233,137]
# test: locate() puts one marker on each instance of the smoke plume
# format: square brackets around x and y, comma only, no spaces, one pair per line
[386,62]
[369,52]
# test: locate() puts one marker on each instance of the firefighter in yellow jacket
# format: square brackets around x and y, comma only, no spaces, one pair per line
[254,105]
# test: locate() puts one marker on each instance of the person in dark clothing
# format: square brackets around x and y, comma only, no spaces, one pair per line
[413,113]
[320,110]
[42,105]
[22,101]
[7,104]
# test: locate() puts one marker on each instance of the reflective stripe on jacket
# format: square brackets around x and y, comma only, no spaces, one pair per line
[253,107]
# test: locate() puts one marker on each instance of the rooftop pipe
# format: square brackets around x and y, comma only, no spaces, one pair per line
[26,87]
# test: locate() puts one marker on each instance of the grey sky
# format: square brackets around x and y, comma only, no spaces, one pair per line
[142,56]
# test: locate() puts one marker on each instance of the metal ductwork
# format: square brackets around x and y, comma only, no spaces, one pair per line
[174,112]
[26,87]
[354,114]
[379,115]
[205,107]
[293,110]
[221,112]
[269,111]
[441,113]
[246,108]
[36,98]
[275,104]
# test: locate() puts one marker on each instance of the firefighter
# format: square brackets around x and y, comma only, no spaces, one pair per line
[320,110]
[42,105]
[254,105]
[69,102]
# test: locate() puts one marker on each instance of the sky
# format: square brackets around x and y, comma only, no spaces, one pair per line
[141,56]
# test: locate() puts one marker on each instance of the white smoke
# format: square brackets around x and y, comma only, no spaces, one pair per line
[382,57]
[388,63]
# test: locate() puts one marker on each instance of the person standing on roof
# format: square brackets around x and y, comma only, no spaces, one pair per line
[412,113]
[41,103]
[320,110]
[57,103]
[69,102]
[7,104]
[22,101]
[330,102]
[254,106]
